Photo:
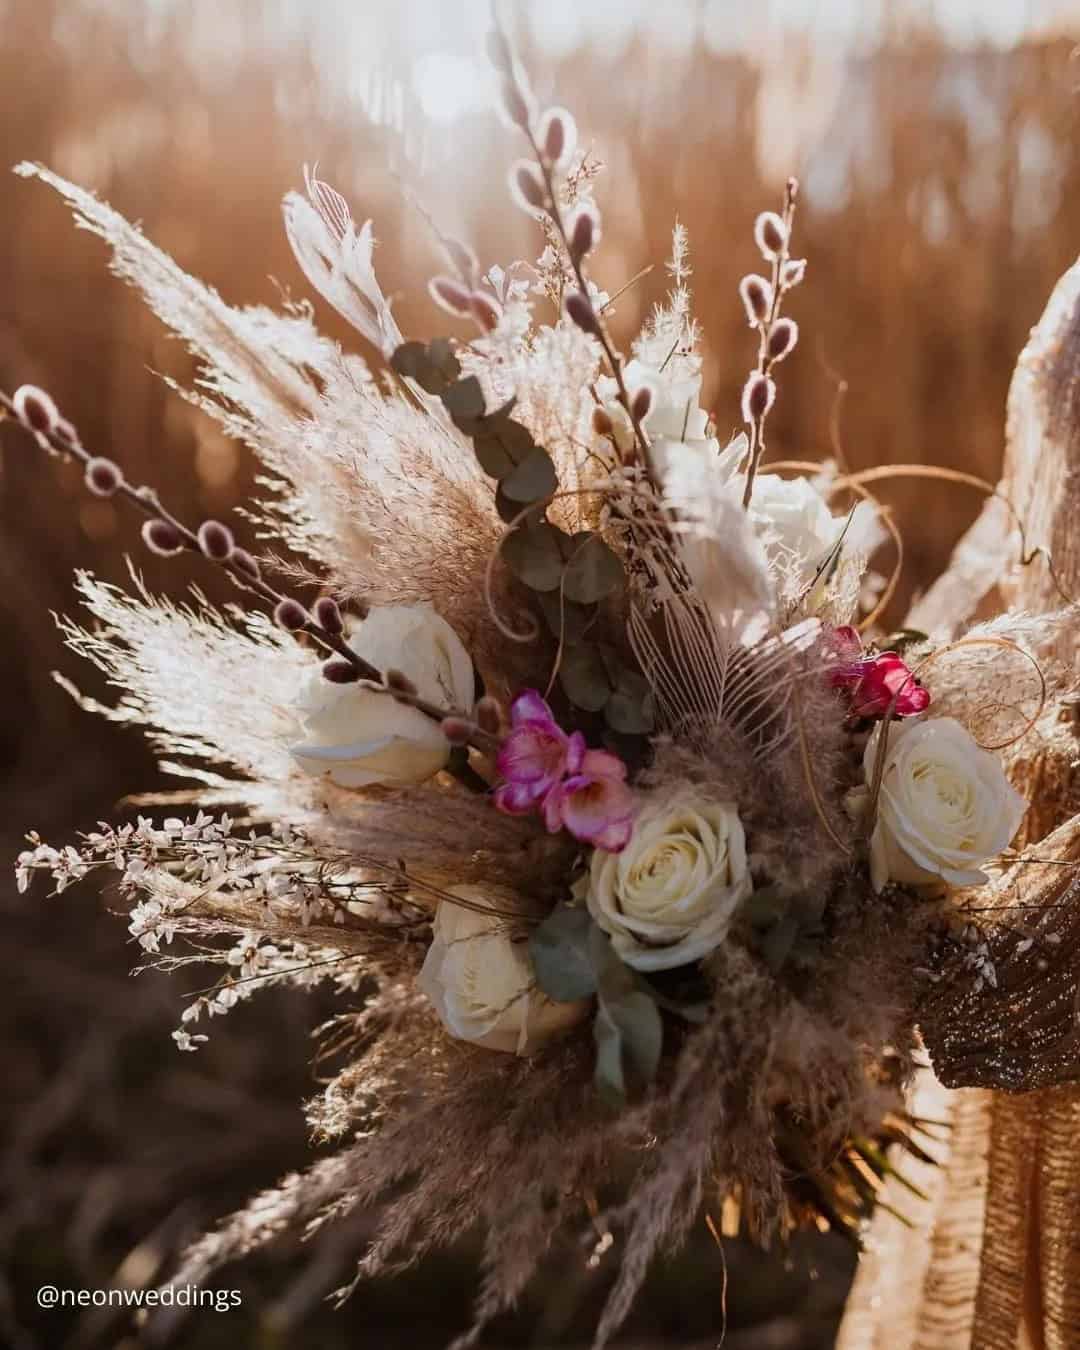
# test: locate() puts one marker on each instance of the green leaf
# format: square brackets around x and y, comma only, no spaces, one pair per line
[629,1036]
[464,401]
[565,618]
[533,480]
[593,570]
[584,678]
[631,708]
[442,359]
[432,367]
[501,444]
[513,513]
[560,955]
[533,555]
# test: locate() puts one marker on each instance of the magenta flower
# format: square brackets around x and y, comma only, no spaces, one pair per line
[536,755]
[544,769]
[874,682]
[595,804]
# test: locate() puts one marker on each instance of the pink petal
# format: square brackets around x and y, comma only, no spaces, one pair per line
[603,764]
[516,799]
[589,810]
[576,753]
[530,753]
[530,707]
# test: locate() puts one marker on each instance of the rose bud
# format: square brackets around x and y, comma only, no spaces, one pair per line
[602,423]
[516,107]
[641,401]
[489,715]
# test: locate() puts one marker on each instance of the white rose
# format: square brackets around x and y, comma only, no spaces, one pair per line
[793,521]
[669,897]
[482,984]
[675,424]
[945,805]
[355,735]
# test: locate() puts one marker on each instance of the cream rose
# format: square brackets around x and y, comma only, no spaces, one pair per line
[793,521]
[355,735]
[669,897]
[676,424]
[945,805]
[482,985]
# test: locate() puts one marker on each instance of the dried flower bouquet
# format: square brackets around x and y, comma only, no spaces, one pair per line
[568,745]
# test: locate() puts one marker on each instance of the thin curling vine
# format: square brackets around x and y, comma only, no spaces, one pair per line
[36,412]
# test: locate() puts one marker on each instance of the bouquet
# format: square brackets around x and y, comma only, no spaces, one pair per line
[562,736]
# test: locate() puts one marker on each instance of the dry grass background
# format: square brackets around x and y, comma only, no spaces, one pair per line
[940,206]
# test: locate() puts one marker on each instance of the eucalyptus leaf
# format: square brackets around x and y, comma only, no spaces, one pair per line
[501,444]
[533,480]
[584,678]
[513,513]
[464,401]
[442,359]
[433,367]
[593,570]
[565,618]
[532,553]
[631,711]
[560,955]
[608,1076]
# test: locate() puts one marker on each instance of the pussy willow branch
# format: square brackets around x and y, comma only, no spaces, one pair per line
[146,501]
[765,362]
[611,355]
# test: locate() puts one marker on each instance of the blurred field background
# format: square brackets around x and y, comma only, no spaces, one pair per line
[940,163]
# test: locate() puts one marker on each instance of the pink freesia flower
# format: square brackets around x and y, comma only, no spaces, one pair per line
[873,682]
[536,755]
[594,804]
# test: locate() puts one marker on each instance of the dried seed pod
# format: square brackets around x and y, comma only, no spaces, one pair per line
[399,683]
[770,234]
[485,310]
[456,730]
[450,295]
[757,297]
[557,136]
[527,187]
[36,409]
[162,538]
[782,339]
[579,310]
[328,616]
[290,615]
[216,540]
[757,397]
[102,477]
[584,230]
[602,423]
[641,402]
[242,561]
[340,671]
